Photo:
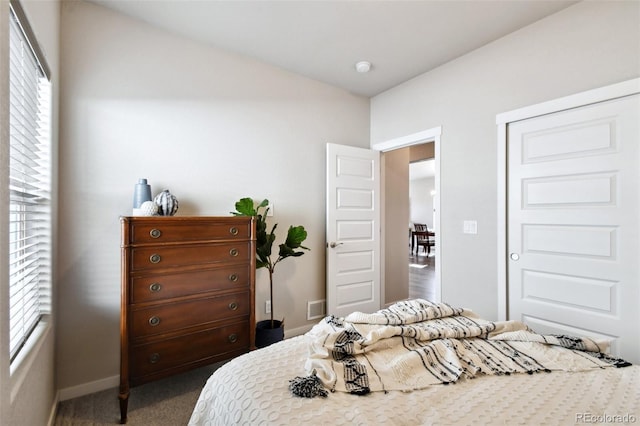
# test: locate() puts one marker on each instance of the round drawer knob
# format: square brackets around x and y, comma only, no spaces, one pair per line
[233,252]
[155,287]
[155,258]
[233,306]
[154,358]
[233,278]
[233,231]
[233,338]
[153,321]
[155,233]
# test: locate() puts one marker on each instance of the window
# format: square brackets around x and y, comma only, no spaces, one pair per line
[29,182]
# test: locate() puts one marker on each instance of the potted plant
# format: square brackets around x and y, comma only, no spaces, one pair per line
[270,331]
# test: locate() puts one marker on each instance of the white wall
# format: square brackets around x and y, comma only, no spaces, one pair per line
[27,388]
[208,125]
[421,200]
[589,45]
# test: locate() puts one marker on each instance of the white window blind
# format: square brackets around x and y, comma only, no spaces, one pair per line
[29,183]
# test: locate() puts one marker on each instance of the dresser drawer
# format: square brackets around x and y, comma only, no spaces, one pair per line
[164,232]
[155,357]
[149,258]
[175,316]
[164,286]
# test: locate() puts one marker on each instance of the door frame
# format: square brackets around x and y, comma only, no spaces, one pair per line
[425,136]
[618,90]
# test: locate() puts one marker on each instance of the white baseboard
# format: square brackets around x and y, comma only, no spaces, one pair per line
[54,410]
[88,388]
[296,331]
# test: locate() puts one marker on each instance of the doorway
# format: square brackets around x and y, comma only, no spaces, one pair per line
[422,253]
[396,224]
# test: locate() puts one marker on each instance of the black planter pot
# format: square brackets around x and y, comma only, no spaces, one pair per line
[265,335]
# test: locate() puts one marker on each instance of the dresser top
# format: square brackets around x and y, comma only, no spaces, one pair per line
[191,219]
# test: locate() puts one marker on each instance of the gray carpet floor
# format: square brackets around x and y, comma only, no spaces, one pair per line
[166,402]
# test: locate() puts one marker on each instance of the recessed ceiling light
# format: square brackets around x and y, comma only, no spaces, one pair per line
[363,66]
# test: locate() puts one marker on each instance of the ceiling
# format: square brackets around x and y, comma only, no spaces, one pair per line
[324,40]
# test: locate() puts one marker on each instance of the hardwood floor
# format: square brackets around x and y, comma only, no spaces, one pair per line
[422,276]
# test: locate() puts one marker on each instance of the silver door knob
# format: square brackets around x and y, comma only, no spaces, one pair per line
[333,244]
[514,256]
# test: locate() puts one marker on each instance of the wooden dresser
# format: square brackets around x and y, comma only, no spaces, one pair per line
[187,295]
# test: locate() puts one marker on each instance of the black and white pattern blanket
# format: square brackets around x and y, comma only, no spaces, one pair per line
[417,343]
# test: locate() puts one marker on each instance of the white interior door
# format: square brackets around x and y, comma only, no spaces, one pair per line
[353,230]
[573,223]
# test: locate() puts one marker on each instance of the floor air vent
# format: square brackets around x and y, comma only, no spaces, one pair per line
[316,309]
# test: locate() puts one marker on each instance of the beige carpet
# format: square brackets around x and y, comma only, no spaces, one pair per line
[166,402]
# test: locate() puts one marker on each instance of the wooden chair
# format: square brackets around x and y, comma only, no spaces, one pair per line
[431,241]
[424,237]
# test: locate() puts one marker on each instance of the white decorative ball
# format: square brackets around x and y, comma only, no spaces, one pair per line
[149,208]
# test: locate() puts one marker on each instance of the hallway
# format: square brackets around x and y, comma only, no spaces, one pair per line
[422,276]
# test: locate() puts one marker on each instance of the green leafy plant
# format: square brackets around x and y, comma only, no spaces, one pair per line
[265,258]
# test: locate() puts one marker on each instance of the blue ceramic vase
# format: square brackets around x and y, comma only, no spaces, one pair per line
[141,193]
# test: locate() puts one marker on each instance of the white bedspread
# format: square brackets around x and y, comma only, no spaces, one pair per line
[254,390]
[417,343]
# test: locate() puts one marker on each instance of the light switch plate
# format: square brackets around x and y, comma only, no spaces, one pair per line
[470,227]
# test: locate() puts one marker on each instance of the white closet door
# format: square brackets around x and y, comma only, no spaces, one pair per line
[573,223]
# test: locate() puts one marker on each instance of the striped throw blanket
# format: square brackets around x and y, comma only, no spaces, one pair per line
[417,343]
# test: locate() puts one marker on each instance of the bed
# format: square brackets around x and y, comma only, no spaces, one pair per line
[254,389]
